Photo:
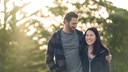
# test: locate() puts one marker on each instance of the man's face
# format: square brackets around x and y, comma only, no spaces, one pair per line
[72,24]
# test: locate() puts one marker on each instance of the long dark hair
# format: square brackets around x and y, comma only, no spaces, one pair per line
[98,46]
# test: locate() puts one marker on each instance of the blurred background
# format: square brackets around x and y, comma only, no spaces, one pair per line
[26,26]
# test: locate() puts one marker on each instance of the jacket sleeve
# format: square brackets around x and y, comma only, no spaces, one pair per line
[50,56]
[106,65]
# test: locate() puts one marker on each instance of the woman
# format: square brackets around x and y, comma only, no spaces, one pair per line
[96,52]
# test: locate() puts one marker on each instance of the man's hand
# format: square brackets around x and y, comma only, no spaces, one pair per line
[109,58]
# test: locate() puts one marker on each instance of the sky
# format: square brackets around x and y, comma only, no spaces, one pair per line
[38,4]
[120,3]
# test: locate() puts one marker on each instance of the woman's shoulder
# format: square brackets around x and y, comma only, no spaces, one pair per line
[104,52]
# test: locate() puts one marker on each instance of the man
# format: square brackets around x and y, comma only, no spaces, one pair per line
[64,47]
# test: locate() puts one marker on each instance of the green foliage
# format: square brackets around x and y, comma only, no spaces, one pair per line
[4,41]
[114,29]
[87,10]
[22,53]
[19,52]
[116,34]
[56,10]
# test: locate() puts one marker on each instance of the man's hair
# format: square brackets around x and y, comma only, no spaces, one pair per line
[70,15]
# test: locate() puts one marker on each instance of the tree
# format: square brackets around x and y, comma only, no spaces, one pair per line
[116,34]
[18,51]
[23,41]
[112,26]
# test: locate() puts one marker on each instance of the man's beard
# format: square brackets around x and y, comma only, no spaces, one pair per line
[71,29]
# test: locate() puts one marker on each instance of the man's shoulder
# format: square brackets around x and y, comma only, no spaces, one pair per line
[79,32]
[58,31]
[56,34]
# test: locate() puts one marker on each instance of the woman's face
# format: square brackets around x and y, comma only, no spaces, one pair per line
[90,37]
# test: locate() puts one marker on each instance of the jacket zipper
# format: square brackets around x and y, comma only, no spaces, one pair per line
[90,60]
[89,64]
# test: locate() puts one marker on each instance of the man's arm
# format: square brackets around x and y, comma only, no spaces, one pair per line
[50,56]
[109,57]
